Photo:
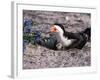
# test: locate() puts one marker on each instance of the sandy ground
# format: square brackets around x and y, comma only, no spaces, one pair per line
[41,57]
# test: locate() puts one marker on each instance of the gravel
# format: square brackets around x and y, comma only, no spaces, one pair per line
[41,57]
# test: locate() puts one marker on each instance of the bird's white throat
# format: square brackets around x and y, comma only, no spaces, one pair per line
[64,40]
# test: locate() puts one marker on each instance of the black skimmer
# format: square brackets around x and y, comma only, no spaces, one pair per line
[71,40]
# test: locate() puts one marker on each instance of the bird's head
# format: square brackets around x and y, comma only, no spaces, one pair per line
[59,28]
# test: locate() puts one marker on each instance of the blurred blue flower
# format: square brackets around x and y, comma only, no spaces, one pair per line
[37,36]
[28,22]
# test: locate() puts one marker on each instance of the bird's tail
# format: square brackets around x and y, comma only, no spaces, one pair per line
[87,32]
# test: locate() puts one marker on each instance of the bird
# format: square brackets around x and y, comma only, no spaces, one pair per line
[71,40]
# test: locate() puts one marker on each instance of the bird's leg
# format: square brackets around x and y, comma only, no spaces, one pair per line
[59,46]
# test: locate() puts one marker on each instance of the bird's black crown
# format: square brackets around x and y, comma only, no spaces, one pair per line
[61,26]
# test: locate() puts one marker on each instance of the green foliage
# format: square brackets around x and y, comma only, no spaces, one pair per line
[29,37]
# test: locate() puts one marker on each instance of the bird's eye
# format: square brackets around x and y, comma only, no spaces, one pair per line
[53,29]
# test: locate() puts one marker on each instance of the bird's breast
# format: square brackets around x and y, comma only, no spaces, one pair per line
[63,40]
[66,42]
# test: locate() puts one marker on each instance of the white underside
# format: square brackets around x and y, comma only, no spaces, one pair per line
[65,41]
